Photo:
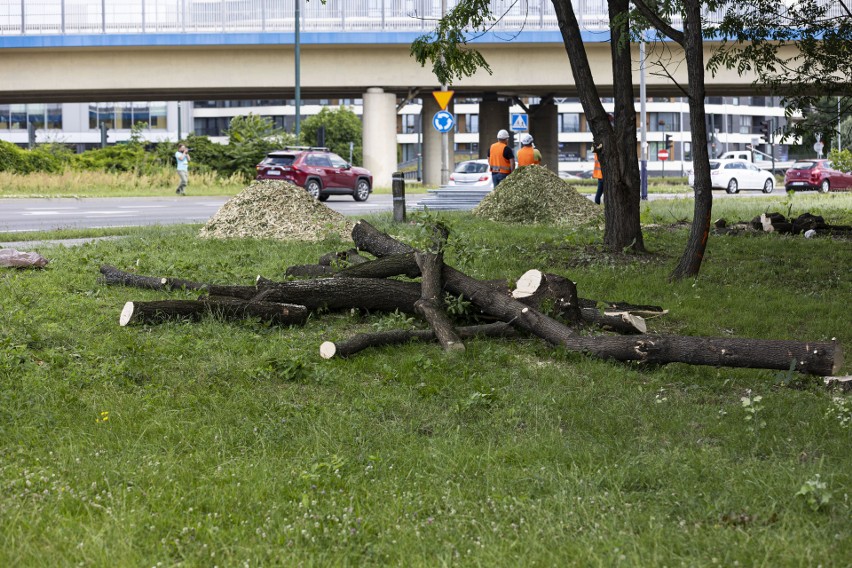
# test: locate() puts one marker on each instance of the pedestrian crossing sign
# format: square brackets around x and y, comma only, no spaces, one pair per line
[519,123]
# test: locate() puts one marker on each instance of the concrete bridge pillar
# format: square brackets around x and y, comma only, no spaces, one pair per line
[493,116]
[432,160]
[544,127]
[379,135]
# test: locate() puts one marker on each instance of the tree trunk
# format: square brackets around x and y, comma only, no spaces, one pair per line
[230,309]
[535,288]
[370,294]
[430,306]
[363,341]
[114,276]
[309,271]
[816,358]
[693,47]
[342,259]
[384,267]
[619,162]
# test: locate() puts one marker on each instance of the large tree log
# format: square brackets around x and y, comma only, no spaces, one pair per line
[153,312]
[559,294]
[114,276]
[819,358]
[363,341]
[535,288]
[385,267]
[430,305]
[309,271]
[371,294]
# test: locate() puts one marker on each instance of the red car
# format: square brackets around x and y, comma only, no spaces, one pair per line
[320,172]
[816,174]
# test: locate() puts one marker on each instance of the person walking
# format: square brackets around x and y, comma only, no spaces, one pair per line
[528,154]
[501,158]
[597,174]
[182,158]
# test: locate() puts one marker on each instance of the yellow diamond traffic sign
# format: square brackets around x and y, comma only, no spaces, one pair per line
[443,98]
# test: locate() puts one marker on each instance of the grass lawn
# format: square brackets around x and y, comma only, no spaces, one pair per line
[232,444]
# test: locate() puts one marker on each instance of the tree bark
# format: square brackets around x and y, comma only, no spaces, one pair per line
[617,140]
[370,294]
[309,271]
[535,288]
[114,276]
[821,358]
[430,306]
[385,267]
[229,309]
[363,341]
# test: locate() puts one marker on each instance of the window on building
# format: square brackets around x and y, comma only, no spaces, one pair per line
[663,122]
[17,117]
[4,117]
[569,122]
[471,123]
[569,152]
[122,116]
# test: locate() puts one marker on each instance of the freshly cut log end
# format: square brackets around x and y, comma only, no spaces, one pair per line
[528,284]
[126,314]
[328,349]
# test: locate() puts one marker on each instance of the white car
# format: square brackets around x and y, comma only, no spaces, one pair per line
[734,175]
[472,173]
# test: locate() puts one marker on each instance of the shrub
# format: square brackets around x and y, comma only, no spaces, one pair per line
[12,158]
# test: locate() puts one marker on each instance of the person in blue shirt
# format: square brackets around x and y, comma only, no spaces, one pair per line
[182,158]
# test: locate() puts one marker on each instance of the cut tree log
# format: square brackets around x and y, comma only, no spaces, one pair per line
[624,323]
[372,294]
[114,276]
[158,311]
[362,341]
[535,288]
[385,267]
[309,271]
[430,306]
[819,358]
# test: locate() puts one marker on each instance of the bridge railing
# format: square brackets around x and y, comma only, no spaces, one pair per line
[35,17]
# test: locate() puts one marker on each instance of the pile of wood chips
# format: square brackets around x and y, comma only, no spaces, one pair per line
[271,209]
[534,194]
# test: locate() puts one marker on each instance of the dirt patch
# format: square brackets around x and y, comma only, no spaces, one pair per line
[534,194]
[272,209]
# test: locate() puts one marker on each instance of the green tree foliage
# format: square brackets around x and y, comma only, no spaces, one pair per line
[45,158]
[841,160]
[250,138]
[342,126]
[801,51]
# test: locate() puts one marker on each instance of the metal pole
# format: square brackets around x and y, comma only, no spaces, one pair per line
[445,137]
[179,133]
[298,102]
[62,17]
[839,147]
[23,17]
[143,15]
[643,118]
[103,16]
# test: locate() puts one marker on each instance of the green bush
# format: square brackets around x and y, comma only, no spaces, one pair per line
[12,158]
[121,158]
[841,159]
[342,126]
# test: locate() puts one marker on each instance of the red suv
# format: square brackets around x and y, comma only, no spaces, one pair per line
[320,172]
[816,174]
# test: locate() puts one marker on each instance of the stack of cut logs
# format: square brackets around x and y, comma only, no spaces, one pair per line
[806,223]
[352,280]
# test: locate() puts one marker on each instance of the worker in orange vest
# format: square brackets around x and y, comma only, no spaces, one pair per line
[597,174]
[528,154]
[501,158]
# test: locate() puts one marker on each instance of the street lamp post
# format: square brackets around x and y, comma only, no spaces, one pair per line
[298,54]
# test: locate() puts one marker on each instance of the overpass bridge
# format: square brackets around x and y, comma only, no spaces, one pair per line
[123,50]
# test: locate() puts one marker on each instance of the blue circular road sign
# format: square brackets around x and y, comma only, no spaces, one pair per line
[443,121]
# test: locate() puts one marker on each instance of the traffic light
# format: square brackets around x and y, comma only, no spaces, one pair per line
[31,135]
[764,128]
[103,135]
[668,140]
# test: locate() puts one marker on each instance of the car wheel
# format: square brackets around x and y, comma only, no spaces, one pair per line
[362,190]
[732,186]
[313,188]
[768,186]
[824,186]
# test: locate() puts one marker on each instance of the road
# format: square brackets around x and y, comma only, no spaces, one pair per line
[47,214]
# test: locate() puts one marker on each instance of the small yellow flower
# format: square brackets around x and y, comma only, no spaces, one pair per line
[104,417]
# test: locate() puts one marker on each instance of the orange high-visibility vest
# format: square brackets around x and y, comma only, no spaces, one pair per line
[498,163]
[597,173]
[527,156]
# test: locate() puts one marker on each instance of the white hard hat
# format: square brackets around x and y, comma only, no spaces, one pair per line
[526,139]
[502,135]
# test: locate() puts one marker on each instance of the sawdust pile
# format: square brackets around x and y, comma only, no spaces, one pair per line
[534,194]
[271,209]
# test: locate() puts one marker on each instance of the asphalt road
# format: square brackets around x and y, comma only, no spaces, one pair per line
[46,214]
